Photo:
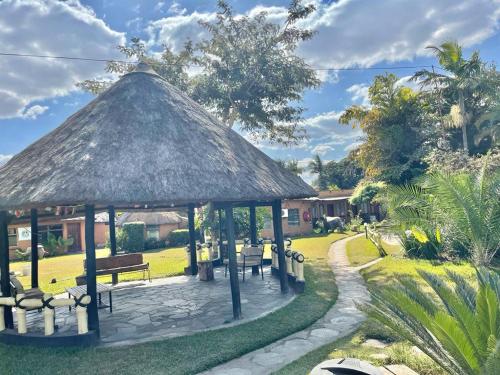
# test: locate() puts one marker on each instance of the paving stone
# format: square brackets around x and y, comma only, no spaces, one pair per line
[372,343]
[268,359]
[324,333]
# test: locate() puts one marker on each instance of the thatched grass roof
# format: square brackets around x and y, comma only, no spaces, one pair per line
[143,142]
[151,218]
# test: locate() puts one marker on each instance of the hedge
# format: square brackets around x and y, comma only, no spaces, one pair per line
[134,236]
[180,237]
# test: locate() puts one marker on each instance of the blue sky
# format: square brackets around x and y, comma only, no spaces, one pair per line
[38,95]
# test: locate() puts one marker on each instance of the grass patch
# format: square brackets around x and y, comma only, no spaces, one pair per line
[64,269]
[198,352]
[361,251]
[388,268]
[396,352]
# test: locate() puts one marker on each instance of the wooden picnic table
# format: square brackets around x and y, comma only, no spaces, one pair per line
[79,290]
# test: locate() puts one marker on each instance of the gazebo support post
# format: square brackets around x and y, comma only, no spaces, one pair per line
[219,212]
[233,267]
[192,240]
[34,248]
[4,267]
[112,239]
[253,232]
[93,314]
[278,236]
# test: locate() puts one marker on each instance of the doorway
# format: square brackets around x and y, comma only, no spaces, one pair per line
[75,234]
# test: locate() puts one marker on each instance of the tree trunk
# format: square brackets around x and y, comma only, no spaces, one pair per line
[461,104]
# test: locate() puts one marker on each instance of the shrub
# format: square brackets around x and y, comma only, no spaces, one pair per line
[365,192]
[179,237]
[459,213]
[23,254]
[133,233]
[153,243]
[461,331]
[57,245]
[355,224]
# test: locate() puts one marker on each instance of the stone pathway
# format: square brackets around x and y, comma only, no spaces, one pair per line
[341,320]
[174,306]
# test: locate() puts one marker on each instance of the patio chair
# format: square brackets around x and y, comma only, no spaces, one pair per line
[250,256]
[17,288]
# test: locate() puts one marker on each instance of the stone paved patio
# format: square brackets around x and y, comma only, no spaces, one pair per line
[174,306]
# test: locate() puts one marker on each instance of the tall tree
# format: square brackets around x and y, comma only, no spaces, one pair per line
[466,92]
[346,173]
[171,66]
[251,74]
[394,127]
[316,166]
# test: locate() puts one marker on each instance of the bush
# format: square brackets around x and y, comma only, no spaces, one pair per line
[57,245]
[153,243]
[356,224]
[178,237]
[134,237]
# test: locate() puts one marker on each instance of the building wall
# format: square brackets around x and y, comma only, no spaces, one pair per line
[165,229]
[304,227]
[101,234]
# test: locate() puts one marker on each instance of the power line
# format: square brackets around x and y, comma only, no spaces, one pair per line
[6,54]
[63,57]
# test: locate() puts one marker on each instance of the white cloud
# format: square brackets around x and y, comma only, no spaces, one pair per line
[362,33]
[355,32]
[4,158]
[321,149]
[306,175]
[34,111]
[176,9]
[48,27]
[175,31]
[359,93]
[325,129]
[406,81]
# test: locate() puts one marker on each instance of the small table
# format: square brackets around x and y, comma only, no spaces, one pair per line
[206,270]
[79,290]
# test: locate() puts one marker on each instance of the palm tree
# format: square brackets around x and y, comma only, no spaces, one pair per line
[316,166]
[463,208]
[291,165]
[461,331]
[462,78]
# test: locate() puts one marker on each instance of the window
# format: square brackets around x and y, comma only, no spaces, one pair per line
[44,230]
[293,217]
[12,236]
[153,232]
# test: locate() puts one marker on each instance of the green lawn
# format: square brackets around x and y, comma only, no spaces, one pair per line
[361,251]
[64,269]
[191,354]
[388,268]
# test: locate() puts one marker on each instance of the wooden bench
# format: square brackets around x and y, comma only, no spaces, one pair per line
[117,264]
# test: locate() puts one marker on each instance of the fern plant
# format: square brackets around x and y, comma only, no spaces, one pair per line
[460,329]
[458,211]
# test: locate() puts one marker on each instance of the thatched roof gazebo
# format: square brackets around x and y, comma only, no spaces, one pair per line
[143,145]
